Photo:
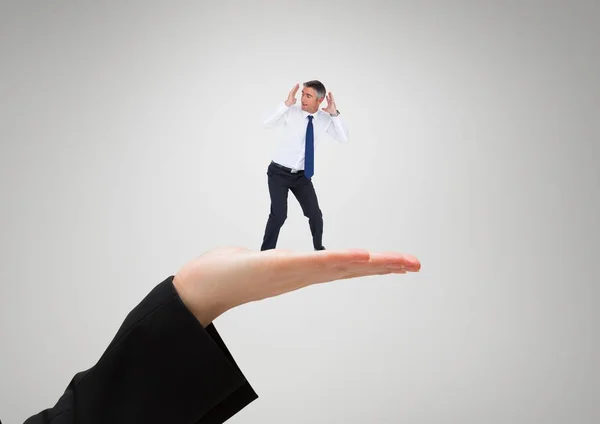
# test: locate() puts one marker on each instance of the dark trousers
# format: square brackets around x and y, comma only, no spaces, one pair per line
[281,180]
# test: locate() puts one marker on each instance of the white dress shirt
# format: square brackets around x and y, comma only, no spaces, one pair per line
[290,149]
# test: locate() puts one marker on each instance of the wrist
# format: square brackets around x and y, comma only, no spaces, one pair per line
[199,302]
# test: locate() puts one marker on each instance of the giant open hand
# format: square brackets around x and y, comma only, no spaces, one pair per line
[226,277]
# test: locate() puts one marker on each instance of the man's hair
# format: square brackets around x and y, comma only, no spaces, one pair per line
[317,86]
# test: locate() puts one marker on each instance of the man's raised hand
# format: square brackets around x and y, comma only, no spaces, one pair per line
[292,96]
[331,107]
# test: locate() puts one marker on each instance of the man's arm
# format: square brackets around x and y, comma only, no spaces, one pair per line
[162,366]
[279,116]
[338,130]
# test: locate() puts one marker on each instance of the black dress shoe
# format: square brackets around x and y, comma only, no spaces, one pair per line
[321,248]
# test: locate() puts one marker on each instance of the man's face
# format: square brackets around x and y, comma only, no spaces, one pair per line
[309,100]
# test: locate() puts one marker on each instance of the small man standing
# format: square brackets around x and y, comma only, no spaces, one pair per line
[292,167]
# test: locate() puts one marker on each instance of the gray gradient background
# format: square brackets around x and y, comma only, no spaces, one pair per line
[131,142]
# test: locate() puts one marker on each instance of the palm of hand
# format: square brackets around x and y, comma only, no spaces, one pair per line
[226,277]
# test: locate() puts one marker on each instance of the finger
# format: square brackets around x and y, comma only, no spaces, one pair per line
[379,264]
[281,282]
[409,262]
[320,266]
[365,273]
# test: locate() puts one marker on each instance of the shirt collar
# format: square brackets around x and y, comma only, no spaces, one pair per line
[305,114]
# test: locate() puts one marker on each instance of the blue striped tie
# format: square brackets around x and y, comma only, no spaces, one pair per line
[309,150]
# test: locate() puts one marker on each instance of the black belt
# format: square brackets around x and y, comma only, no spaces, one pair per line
[293,171]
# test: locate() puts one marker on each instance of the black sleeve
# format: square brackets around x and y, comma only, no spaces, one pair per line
[161,367]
